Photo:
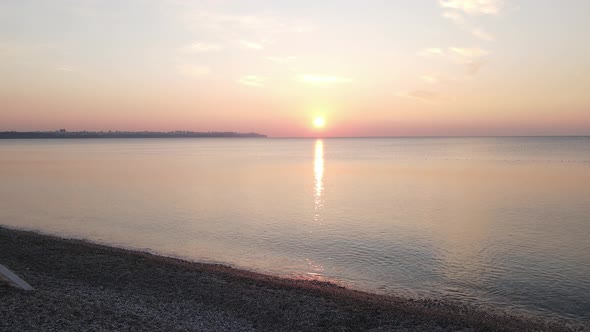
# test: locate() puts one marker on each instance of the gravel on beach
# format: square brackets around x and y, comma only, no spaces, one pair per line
[82,286]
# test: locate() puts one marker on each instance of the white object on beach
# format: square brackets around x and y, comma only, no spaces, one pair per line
[13,279]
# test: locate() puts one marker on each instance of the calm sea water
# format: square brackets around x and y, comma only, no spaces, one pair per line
[502,222]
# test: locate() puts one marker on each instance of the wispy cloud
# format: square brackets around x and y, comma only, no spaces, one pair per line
[473,52]
[430,52]
[430,78]
[422,95]
[251,45]
[466,52]
[456,17]
[454,10]
[193,70]
[231,24]
[251,80]
[470,57]
[65,68]
[481,34]
[473,66]
[200,47]
[474,7]
[323,79]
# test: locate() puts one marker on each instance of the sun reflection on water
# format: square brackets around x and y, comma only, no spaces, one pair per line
[318,168]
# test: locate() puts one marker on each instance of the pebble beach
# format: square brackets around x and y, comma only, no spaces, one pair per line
[83,286]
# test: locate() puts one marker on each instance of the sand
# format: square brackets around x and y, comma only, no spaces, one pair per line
[91,287]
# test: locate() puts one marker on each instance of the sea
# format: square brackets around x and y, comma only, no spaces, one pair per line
[494,222]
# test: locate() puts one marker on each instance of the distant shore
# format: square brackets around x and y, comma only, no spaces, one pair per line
[124,134]
[85,286]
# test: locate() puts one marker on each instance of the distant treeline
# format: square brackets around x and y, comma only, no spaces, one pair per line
[121,134]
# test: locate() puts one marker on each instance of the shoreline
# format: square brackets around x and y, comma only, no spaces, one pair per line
[80,285]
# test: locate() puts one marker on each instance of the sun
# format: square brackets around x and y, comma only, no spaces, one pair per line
[319,122]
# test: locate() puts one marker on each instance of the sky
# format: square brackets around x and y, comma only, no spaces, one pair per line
[368,68]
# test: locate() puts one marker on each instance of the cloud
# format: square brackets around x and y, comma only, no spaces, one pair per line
[433,51]
[200,47]
[229,24]
[456,52]
[473,66]
[457,18]
[251,80]
[193,70]
[474,7]
[471,7]
[281,60]
[323,79]
[434,78]
[430,78]
[472,58]
[251,45]
[422,95]
[479,33]
[469,52]
[65,68]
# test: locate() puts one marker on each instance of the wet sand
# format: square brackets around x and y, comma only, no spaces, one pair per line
[86,286]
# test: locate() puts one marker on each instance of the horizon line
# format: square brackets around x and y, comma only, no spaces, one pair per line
[282,137]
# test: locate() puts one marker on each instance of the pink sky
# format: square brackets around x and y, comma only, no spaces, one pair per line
[403,68]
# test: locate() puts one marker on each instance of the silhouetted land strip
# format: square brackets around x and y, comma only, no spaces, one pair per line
[123,134]
[85,286]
